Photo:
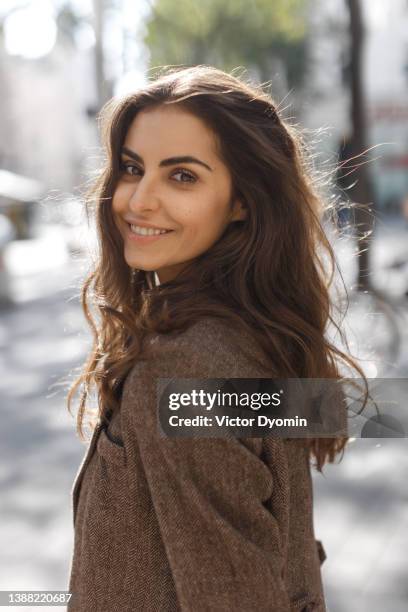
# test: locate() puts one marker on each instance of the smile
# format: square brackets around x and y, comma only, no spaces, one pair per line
[144,235]
[147,231]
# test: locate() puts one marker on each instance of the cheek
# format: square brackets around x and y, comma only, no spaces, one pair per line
[119,199]
[200,232]
[204,217]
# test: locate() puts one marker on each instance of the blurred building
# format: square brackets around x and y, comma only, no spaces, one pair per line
[46,131]
[386,85]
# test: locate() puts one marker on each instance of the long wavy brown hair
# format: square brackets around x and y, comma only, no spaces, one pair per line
[267,274]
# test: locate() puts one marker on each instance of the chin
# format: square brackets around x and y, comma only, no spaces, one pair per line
[139,264]
[143,267]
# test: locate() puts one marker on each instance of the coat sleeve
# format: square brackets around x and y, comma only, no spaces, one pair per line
[222,543]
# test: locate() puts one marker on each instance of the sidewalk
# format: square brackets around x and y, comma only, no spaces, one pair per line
[361,503]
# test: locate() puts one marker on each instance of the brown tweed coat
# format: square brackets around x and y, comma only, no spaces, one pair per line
[192,524]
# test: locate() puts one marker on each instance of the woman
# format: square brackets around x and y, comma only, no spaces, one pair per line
[209,229]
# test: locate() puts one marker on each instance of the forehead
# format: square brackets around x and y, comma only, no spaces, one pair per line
[171,130]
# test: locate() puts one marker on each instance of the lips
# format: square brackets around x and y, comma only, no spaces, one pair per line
[147,225]
[145,239]
[148,231]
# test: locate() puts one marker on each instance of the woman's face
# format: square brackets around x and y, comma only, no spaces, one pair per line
[171,179]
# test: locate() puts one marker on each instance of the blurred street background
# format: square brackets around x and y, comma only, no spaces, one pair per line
[340,70]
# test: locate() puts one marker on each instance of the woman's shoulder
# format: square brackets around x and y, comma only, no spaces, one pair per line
[211,346]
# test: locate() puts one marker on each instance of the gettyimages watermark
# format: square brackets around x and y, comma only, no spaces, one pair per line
[287,408]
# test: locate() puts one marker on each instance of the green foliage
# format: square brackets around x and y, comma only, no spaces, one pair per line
[229,33]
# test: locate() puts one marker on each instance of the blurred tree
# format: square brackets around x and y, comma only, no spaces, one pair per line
[259,34]
[103,86]
[69,21]
[361,192]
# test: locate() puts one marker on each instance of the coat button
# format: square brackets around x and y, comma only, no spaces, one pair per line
[321,551]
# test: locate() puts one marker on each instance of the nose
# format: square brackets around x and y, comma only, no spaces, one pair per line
[144,197]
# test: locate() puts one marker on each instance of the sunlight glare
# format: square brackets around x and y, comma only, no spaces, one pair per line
[30,32]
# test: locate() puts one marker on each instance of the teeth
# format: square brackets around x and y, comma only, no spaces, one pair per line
[145,231]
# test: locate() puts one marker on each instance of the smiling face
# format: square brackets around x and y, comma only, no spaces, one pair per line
[191,197]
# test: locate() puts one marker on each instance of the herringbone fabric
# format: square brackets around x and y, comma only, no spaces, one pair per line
[192,524]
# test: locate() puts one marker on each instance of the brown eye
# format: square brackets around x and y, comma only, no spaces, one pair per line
[128,168]
[187,175]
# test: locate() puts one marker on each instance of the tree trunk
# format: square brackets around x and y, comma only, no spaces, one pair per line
[361,193]
[103,87]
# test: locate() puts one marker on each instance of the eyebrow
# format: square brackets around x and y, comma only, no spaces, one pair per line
[184,159]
